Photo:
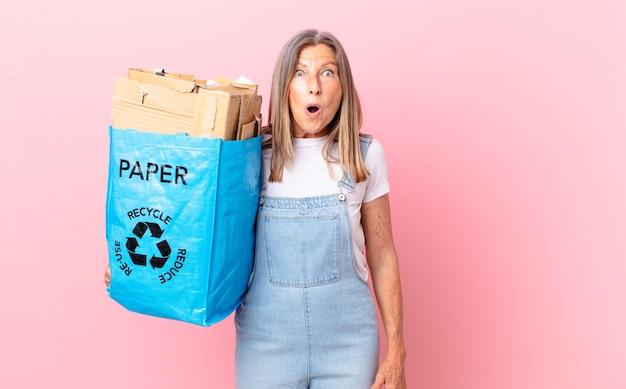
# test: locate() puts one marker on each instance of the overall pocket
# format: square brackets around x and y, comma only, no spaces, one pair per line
[302,251]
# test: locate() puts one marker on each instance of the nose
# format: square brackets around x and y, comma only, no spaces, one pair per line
[314,86]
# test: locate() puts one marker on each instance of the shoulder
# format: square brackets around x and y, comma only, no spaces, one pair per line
[377,183]
[375,152]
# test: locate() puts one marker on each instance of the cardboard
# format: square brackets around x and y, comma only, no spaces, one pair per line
[174,103]
[179,82]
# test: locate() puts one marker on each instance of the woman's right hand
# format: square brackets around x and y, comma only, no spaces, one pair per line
[107,276]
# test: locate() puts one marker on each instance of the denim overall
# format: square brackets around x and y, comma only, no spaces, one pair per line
[308,319]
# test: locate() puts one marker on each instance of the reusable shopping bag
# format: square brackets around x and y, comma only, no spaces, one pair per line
[180,215]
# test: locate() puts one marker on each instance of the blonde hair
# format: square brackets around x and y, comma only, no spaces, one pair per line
[343,128]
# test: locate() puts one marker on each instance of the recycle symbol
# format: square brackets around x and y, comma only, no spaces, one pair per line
[157,261]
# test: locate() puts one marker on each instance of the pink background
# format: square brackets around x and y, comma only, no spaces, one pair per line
[504,124]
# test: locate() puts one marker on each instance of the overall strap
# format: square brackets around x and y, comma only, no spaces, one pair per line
[347,181]
[262,183]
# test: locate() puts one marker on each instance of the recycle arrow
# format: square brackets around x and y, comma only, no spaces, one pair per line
[165,250]
[142,227]
[138,259]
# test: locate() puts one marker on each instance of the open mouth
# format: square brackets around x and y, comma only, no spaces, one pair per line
[312,108]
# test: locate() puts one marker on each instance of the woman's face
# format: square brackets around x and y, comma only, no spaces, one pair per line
[314,92]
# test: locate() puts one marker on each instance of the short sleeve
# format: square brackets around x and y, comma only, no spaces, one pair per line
[378,180]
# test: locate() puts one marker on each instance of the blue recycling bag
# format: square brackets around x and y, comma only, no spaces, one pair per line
[180,215]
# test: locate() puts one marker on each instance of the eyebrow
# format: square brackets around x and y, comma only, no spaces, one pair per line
[322,65]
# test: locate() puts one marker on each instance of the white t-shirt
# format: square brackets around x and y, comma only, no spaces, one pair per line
[309,177]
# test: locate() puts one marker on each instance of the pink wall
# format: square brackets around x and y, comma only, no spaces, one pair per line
[505,128]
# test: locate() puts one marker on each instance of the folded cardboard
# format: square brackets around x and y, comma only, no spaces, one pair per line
[178,81]
[173,103]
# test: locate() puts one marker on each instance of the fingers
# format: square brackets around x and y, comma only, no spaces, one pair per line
[389,378]
[107,276]
[379,382]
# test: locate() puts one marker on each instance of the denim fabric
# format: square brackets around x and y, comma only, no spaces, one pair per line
[308,319]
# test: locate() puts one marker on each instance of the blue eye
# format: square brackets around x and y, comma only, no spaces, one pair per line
[298,73]
[328,73]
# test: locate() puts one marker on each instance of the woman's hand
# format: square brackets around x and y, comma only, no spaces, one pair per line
[107,275]
[391,373]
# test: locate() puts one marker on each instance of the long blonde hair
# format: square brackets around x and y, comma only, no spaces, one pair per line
[343,129]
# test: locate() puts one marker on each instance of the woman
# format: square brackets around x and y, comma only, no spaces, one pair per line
[308,319]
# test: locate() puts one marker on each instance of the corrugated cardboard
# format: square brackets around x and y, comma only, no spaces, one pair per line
[176,103]
[177,81]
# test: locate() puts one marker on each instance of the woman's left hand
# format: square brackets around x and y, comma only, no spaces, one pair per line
[391,373]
